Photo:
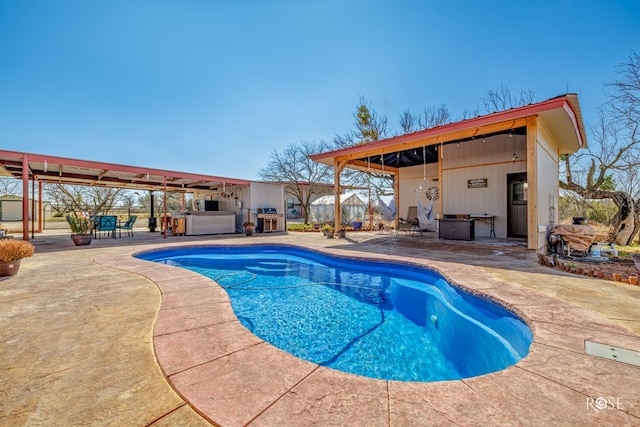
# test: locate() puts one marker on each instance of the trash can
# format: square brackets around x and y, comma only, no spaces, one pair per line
[152,224]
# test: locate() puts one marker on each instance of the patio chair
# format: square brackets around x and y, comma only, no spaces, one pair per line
[106,223]
[127,226]
[411,223]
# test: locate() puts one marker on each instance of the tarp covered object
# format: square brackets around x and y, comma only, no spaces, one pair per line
[352,208]
[578,237]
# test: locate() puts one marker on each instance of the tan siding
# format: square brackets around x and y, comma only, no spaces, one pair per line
[474,160]
[410,179]
[548,177]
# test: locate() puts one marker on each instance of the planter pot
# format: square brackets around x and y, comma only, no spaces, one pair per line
[341,234]
[9,268]
[617,277]
[81,239]
[633,280]
[328,234]
[357,225]
[248,231]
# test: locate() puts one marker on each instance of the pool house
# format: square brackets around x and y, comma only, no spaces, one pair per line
[497,173]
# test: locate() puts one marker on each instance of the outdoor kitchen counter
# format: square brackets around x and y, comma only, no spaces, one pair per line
[210,222]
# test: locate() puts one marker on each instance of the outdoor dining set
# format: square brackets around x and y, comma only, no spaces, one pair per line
[109,224]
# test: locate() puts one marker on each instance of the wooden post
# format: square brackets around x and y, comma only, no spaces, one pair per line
[338,166]
[440,201]
[396,191]
[532,180]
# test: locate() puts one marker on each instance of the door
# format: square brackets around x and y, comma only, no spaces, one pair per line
[517,205]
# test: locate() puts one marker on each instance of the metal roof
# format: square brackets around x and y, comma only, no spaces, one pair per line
[561,115]
[61,170]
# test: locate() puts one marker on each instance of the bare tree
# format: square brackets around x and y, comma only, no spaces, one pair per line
[301,174]
[408,122]
[431,117]
[434,116]
[76,198]
[10,186]
[502,99]
[615,156]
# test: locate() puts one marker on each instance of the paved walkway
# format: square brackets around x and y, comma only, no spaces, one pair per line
[92,336]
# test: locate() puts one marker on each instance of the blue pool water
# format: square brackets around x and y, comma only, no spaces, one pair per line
[377,319]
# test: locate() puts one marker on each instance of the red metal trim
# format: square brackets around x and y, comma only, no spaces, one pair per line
[501,116]
[65,161]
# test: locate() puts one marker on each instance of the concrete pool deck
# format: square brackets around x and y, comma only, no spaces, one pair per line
[93,336]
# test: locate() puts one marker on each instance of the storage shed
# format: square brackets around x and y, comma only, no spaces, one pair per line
[352,208]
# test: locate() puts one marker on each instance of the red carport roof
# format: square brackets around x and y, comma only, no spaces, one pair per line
[53,169]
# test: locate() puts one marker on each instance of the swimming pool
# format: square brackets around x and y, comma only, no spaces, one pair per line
[376,319]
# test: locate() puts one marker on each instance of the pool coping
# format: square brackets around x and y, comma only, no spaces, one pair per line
[231,377]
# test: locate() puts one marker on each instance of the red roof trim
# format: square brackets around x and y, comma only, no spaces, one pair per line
[500,116]
[119,168]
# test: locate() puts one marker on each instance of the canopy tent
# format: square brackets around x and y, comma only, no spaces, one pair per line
[352,209]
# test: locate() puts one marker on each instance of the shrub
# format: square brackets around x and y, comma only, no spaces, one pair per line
[11,250]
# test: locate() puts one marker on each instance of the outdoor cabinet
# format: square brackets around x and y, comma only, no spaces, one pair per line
[178,226]
[456,229]
[269,225]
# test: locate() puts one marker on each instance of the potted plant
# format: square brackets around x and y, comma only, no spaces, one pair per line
[327,230]
[81,227]
[248,227]
[11,252]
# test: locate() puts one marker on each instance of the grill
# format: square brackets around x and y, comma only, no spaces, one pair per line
[267,220]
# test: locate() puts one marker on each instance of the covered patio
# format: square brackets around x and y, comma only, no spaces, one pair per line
[503,165]
[43,169]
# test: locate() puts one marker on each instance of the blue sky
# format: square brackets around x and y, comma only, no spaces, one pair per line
[214,86]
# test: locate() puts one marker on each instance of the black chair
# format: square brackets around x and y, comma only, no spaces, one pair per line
[128,226]
[106,223]
[411,224]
